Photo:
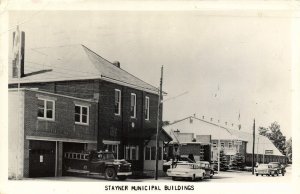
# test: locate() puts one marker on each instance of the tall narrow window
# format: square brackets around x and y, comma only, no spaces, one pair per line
[81,114]
[46,109]
[131,152]
[148,153]
[117,102]
[215,145]
[147,102]
[222,145]
[133,105]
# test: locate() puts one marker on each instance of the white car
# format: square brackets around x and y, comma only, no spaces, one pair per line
[186,170]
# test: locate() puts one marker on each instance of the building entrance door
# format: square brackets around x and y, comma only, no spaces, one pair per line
[41,159]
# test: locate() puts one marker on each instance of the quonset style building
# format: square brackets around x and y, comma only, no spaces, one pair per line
[72,99]
[192,132]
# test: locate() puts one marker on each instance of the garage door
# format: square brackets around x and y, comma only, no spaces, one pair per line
[41,159]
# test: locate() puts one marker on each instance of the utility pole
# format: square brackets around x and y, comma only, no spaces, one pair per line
[159,122]
[253,147]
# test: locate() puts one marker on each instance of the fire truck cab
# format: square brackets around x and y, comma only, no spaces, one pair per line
[97,163]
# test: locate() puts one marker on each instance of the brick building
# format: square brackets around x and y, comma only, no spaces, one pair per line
[126,107]
[42,126]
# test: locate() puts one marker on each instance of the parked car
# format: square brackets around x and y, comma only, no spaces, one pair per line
[192,171]
[170,164]
[223,167]
[97,163]
[205,165]
[214,165]
[279,168]
[265,169]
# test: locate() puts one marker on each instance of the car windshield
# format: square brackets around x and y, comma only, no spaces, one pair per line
[108,156]
[204,165]
[263,166]
[105,156]
[186,159]
[275,164]
[186,166]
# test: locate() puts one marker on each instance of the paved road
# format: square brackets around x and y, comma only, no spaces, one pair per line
[223,177]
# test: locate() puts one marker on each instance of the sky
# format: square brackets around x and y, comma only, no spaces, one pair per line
[227,63]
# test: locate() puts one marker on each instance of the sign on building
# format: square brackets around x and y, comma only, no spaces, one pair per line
[237,142]
[268,152]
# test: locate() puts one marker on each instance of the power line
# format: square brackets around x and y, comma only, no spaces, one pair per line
[25,21]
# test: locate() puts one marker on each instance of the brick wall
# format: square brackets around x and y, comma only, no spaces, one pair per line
[110,126]
[64,124]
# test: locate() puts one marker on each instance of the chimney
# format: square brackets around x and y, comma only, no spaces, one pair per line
[117,64]
[191,120]
[18,54]
[211,119]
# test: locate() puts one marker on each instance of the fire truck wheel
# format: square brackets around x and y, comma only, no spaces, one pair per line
[110,173]
[122,178]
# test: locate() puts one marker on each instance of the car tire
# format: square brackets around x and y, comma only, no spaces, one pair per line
[122,178]
[256,174]
[283,174]
[194,177]
[110,173]
[173,178]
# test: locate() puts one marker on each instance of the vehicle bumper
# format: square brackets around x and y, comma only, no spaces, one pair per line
[179,175]
[265,172]
[124,173]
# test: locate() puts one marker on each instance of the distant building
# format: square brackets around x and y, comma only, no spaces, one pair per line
[231,141]
[123,108]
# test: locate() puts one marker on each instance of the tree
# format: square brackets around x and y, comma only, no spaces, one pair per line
[223,161]
[263,131]
[238,161]
[275,135]
[288,149]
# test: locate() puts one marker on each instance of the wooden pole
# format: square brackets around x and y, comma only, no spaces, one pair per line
[253,147]
[159,117]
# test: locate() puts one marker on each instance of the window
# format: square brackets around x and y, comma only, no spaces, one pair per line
[117,102]
[147,153]
[131,152]
[133,105]
[81,114]
[46,109]
[222,145]
[214,145]
[229,145]
[150,153]
[147,102]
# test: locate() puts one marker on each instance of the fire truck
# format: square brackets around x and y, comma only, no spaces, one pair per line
[93,162]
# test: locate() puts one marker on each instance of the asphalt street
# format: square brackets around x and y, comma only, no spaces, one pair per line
[222,177]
